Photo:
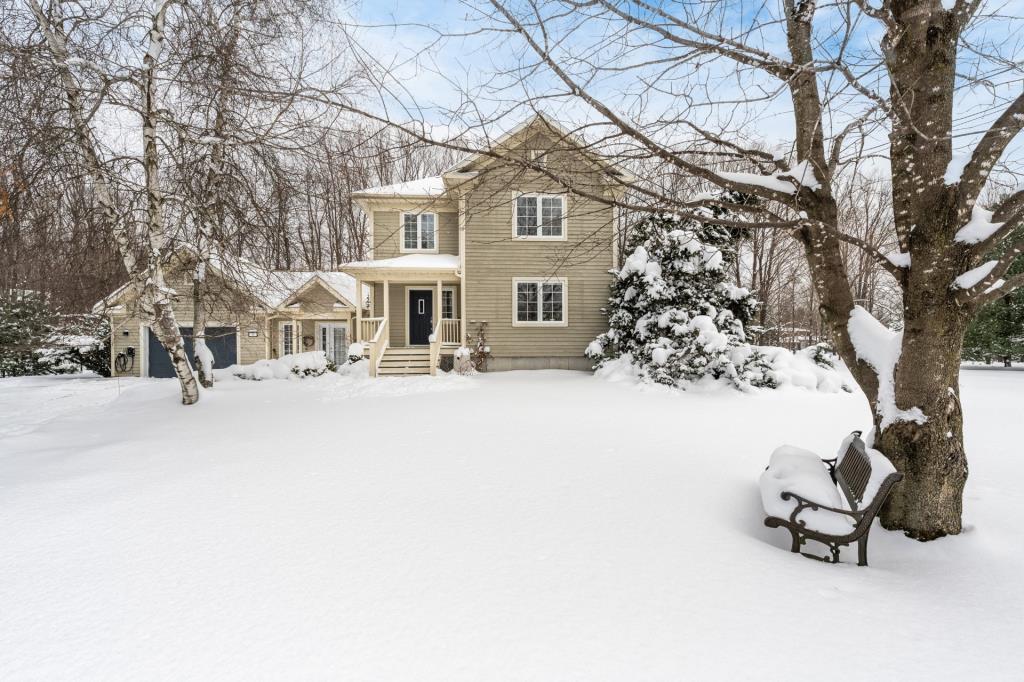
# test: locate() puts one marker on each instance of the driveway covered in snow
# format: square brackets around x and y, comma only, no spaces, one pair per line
[519,526]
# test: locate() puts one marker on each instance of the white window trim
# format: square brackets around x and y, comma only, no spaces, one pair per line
[280,337]
[419,232]
[538,237]
[516,281]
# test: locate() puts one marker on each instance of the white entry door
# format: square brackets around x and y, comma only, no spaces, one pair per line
[332,338]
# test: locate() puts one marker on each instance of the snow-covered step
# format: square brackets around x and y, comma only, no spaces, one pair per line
[402,371]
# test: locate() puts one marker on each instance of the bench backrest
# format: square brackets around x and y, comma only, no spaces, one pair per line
[854,472]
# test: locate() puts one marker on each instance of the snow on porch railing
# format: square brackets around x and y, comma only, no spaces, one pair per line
[450,332]
[369,326]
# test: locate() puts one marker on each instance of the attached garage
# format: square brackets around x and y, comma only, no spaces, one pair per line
[222,342]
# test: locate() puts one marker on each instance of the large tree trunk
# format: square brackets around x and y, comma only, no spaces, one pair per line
[927,504]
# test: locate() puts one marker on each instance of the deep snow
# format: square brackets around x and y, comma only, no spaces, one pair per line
[517,526]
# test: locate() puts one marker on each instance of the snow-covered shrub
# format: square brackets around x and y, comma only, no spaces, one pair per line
[823,355]
[356,352]
[301,365]
[36,339]
[462,361]
[675,313]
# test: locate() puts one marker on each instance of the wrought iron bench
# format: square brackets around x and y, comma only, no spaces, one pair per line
[851,474]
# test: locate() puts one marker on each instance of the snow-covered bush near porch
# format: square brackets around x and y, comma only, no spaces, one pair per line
[674,312]
[301,365]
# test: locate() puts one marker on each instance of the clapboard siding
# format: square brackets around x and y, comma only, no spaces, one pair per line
[494,257]
[387,233]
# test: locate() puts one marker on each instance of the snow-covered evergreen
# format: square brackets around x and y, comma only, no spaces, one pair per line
[674,312]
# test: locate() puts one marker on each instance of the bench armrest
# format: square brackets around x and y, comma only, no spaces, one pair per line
[802,503]
[831,464]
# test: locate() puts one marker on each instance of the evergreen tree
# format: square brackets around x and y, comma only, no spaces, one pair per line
[997,330]
[24,325]
[673,311]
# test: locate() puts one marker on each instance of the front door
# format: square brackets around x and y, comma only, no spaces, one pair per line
[421,316]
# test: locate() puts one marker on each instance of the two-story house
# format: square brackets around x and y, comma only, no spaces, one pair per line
[512,245]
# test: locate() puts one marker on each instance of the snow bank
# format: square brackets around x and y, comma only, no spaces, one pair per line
[794,470]
[787,369]
[800,369]
[313,363]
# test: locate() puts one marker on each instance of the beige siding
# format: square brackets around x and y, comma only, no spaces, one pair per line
[494,257]
[225,308]
[387,233]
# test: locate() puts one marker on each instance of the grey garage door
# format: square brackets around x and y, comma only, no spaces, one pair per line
[222,342]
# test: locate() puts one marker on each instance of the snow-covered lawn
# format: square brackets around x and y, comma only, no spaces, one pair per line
[519,526]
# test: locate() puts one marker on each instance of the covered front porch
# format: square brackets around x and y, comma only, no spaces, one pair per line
[415,313]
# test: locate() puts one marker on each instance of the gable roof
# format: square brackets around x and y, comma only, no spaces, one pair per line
[435,185]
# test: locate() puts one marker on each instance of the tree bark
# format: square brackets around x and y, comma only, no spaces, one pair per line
[928,503]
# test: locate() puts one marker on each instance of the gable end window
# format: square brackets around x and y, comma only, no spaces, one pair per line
[539,216]
[419,232]
[541,302]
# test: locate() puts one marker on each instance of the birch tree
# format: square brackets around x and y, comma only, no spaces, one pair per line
[147,273]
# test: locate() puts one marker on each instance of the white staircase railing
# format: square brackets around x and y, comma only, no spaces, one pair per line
[378,344]
[435,348]
[368,327]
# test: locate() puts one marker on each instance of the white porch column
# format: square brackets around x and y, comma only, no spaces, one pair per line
[437,307]
[359,311]
[387,302]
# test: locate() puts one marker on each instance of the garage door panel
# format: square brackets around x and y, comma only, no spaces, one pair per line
[222,342]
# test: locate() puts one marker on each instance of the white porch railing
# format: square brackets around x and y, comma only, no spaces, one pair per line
[368,327]
[378,344]
[450,332]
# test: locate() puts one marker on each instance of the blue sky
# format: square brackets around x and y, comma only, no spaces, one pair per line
[439,80]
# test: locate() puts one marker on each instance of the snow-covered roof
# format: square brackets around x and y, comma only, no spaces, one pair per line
[423,187]
[274,287]
[413,261]
[271,287]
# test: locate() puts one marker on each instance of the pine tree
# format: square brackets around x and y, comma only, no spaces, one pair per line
[24,325]
[673,311]
[997,330]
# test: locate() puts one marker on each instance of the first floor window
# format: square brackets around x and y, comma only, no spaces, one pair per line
[540,301]
[418,232]
[540,215]
[287,338]
[447,304]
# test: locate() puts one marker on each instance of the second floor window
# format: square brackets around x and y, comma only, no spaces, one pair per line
[418,232]
[540,216]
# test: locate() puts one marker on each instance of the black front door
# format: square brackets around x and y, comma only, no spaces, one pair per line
[421,316]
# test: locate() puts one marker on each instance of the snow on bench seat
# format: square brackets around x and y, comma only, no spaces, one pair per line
[792,469]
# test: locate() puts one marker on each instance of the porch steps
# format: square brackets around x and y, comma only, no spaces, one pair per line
[404,362]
